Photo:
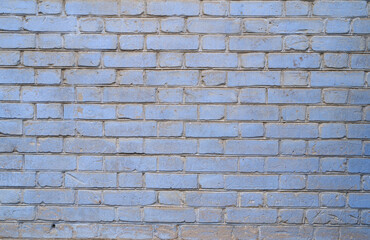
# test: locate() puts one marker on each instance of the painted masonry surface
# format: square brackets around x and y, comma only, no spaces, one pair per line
[184,119]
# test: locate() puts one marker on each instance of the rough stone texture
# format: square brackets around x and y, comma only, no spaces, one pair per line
[184,119]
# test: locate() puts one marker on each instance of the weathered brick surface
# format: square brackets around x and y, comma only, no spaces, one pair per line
[184,119]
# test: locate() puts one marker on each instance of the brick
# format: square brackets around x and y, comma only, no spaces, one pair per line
[252,113]
[359,232]
[129,198]
[172,25]
[331,216]
[292,147]
[17,179]
[130,163]
[209,130]
[89,59]
[213,78]
[329,113]
[211,181]
[49,128]
[171,112]
[296,42]
[131,42]
[360,61]
[16,76]
[359,96]
[17,213]
[173,42]
[307,200]
[94,7]
[212,25]
[336,60]
[251,164]
[172,78]
[337,26]
[252,95]
[332,130]
[211,112]
[170,197]
[35,230]
[240,215]
[89,197]
[89,128]
[50,6]
[251,147]
[202,232]
[171,181]
[333,182]
[76,214]
[89,94]
[50,24]
[44,59]
[170,95]
[86,163]
[90,41]
[86,180]
[16,110]
[166,163]
[91,24]
[291,164]
[131,25]
[250,182]
[11,161]
[49,196]
[211,164]
[335,96]
[171,215]
[292,130]
[129,7]
[341,9]
[295,96]
[361,131]
[255,43]
[50,145]
[50,162]
[89,111]
[10,196]
[361,26]
[337,79]
[303,25]
[292,182]
[215,8]
[334,147]
[48,76]
[211,60]
[337,43]
[18,7]
[211,199]
[294,60]
[256,8]
[295,78]
[9,93]
[130,129]
[46,94]
[210,95]
[129,214]
[130,111]
[170,129]
[332,200]
[358,165]
[49,41]
[213,146]
[90,145]
[128,95]
[209,215]
[131,77]
[8,58]
[255,25]
[170,59]
[297,8]
[251,130]
[333,164]
[288,232]
[251,199]
[173,8]
[130,60]
[17,144]
[13,40]
[253,78]
[130,145]
[253,60]
[213,42]
[50,179]
[291,216]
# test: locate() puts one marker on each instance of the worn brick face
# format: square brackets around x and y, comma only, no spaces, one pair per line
[184,119]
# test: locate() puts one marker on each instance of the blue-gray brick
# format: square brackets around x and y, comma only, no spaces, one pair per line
[292,164]
[255,43]
[243,215]
[294,60]
[253,78]
[76,7]
[175,78]
[171,181]
[248,182]
[256,8]
[333,182]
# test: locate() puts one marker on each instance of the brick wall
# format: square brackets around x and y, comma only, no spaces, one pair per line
[184,119]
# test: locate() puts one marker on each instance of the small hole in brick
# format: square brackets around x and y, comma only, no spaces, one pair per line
[53,225]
